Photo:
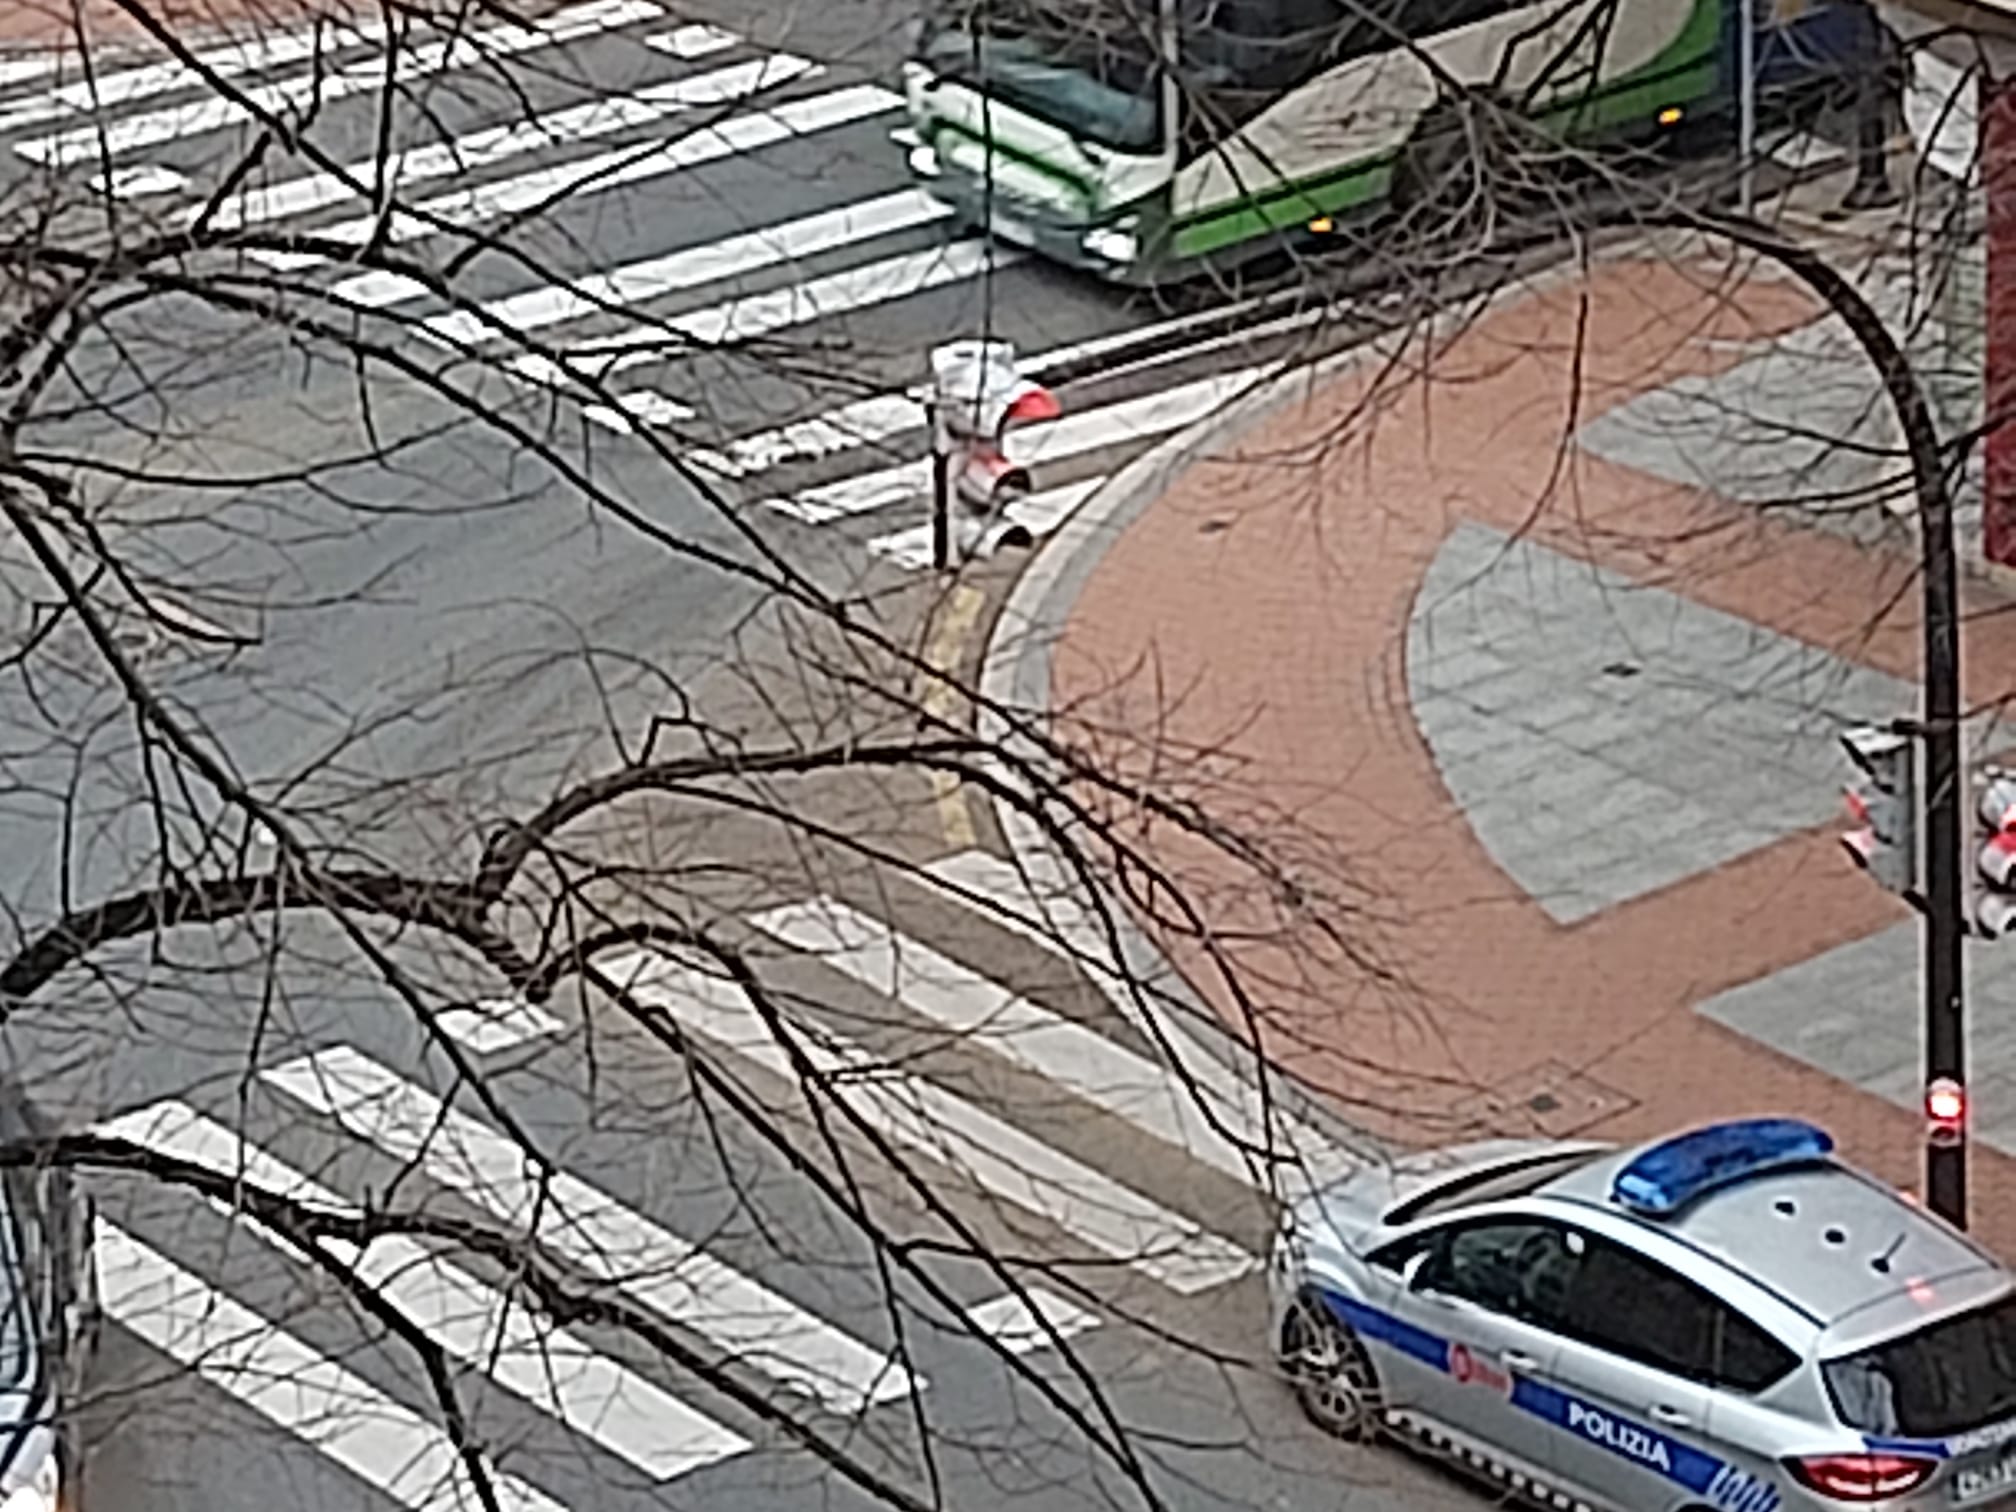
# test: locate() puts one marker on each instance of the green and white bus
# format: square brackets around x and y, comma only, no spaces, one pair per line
[1145,139]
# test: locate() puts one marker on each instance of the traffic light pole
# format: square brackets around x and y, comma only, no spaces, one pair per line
[1943,828]
[941,502]
[1944,792]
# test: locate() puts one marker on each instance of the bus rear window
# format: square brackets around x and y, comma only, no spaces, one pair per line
[1955,1375]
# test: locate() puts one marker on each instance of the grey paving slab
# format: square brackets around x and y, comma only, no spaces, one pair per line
[1605,739]
[1855,1013]
[1802,419]
[1801,422]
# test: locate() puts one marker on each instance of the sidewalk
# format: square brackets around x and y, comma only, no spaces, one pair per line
[1549,738]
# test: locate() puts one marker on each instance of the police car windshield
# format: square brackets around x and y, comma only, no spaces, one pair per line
[1942,1380]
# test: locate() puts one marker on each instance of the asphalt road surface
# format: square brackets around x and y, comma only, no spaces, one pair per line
[667,181]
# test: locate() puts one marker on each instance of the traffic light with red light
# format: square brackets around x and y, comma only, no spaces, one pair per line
[1884,805]
[1945,1111]
[978,395]
[1995,862]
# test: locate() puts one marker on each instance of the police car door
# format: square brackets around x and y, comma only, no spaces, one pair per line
[1485,1287]
[1632,1411]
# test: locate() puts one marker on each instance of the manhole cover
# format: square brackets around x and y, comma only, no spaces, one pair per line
[1548,1099]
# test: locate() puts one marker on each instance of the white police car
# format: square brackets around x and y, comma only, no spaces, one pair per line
[1728,1319]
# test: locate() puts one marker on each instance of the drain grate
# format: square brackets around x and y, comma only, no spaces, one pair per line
[1550,1099]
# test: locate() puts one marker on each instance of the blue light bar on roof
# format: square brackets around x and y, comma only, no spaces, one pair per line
[1668,1176]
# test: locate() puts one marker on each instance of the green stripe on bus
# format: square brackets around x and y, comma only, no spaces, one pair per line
[1076,183]
[1685,73]
[1289,208]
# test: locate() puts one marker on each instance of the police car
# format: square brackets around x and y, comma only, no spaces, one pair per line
[1728,1319]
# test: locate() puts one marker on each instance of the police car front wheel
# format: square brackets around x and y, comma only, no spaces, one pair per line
[1328,1368]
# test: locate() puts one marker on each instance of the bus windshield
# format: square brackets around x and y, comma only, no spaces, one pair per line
[1087,66]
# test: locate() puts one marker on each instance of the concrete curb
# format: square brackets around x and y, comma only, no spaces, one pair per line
[1016,664]
[1015,674]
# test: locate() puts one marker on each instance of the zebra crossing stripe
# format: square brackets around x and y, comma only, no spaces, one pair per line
[546,1364]
[473,151]
[749,318]
[1059,924]
[491,1025]
[695,41]
[659,1271]
[15,72]
[1098,1210]
[1011,1323]
[292,1385]
[467,208]
[1076,433]
[690,267]
[974,1007]
[753,316]
[124,86]
[214,112]
[642,407]
[498,144]
[862,423]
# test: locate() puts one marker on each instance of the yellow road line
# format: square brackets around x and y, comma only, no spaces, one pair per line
[942,699]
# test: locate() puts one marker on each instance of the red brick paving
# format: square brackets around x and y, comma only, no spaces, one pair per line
[1258,612]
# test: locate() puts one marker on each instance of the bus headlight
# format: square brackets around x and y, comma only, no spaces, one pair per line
[1113,244]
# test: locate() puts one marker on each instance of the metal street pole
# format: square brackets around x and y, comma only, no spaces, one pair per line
[941,500]
[1746,105]
[1945,885]
[1945,792]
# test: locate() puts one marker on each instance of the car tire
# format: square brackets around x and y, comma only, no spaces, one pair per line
[1330,1372]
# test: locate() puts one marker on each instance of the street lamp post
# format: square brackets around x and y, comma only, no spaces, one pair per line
[1942,822]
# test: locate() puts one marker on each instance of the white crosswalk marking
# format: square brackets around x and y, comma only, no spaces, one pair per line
[1058,923]
[749,318]
[862,423]
[1019,1329]
[473,151]
[866,422]
[1089,430]
[496,1024]
[644,407]
[18,71]
[1088,1204]
[965,1003]
[549,1366]
[212,111]
[757,315]
[468,208]
[589,1229]
[690,267]
[124,86]
[290,1384]
[696,41]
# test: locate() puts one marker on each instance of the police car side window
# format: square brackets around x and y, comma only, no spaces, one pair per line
[1629,1306]
[1520,1269]
[1746,1357]
[1637,1308]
